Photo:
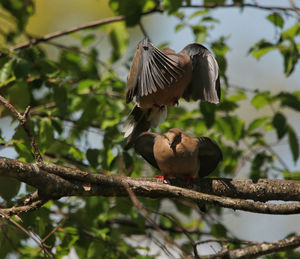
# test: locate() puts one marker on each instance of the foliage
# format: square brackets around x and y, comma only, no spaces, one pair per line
[77,108]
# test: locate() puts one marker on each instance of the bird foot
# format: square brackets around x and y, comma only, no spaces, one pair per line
[162,177]
[189,179]
[158,106]
[175,102]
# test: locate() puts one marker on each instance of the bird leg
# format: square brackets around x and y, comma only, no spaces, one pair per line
[158,106]
[189,179]
[162,177]
[175,101]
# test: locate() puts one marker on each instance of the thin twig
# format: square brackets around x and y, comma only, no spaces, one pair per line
[121,18]
[24,123]
[27,233]
[140,207]
[144,31]
[71,30]
[237,4]
[21,209]
[53,231]
[297,10]
[183,230]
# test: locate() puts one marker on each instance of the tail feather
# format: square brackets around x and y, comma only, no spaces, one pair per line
[135,116]
[158,116]
[140,120]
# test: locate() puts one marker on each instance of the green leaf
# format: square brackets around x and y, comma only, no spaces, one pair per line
[9,188]
[61,98]
[46,134]
[261,48]
[294,143]
[180,26]
[200,33]
[208,111]
[276,19]
[259,166]
[290,55]
[6,71]
[132,9]
[261,99]
[22,145]
[291,32]
[85,86]
[257,123]
[291,175]
[239,96]
[92,157]
[171,6]
[119,37]
[88,39]
[21,10]
[291,100]
[280,124]
[218,230]
[231,127]
[20,88]
[195,14]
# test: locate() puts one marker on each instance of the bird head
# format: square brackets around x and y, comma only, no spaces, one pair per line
[174,137]
[144,43]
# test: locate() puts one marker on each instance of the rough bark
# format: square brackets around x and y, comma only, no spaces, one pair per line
[55,181]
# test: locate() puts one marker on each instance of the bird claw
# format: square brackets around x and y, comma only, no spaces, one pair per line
[189,179]
[162,177]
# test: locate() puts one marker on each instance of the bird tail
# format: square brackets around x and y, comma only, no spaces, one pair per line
[140,120]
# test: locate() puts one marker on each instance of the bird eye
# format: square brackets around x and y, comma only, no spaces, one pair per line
[145,47]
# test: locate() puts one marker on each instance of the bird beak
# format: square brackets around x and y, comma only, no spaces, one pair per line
[175,141]
[172,144]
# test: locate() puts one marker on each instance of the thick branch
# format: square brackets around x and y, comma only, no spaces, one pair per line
[56,181]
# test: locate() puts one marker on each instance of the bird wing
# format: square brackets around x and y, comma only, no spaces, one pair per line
[209,154]
[150,69]
[144,146]
[205,84]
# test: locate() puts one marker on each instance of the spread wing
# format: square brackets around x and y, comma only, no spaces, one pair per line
[205,84]
[209,155]
[150,69]
[144,146]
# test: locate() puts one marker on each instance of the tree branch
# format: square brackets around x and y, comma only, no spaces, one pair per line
[35,41]
[25,208]
[23,122]
[55,181]
[237,4]
[261,249]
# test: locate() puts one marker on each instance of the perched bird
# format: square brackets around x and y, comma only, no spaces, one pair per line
[159,78]
[178,155]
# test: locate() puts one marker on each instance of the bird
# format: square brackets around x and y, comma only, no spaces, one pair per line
[178,155]
[159,78]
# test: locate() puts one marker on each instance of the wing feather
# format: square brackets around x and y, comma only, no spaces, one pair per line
[205,84]
[150,69]
[209,155]
[144,146]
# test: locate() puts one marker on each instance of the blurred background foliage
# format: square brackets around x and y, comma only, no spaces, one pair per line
[75,86]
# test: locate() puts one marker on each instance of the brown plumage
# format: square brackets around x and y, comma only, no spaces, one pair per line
[159,78]
[178,155]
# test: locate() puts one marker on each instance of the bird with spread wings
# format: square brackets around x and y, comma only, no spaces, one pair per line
[159,78]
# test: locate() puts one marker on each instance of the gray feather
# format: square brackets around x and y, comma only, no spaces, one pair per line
[205,84]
